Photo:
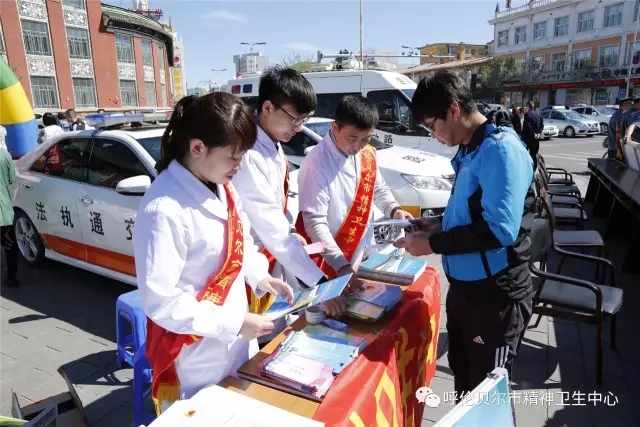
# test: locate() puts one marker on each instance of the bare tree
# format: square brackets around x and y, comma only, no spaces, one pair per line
[298,61]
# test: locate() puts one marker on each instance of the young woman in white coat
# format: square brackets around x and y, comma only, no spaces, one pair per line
[193,252]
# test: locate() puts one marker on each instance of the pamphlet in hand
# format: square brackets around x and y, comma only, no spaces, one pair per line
[308,297]
[315,248]
[402,223]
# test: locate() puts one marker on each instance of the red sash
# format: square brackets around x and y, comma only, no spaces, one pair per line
[163,347]
[355,224]
[260,305]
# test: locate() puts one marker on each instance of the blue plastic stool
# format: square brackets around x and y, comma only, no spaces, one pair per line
[128,309]
[141,387]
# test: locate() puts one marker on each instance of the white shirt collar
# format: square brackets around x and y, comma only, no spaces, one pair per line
[199,191]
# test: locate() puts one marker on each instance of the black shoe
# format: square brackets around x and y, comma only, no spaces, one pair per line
[13,282]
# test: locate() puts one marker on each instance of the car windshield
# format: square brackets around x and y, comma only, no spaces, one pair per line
[606,110]
[573,115]
[322,129]
[152,146]
[409,93]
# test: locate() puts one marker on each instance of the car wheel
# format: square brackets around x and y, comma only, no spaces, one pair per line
[386,233]
[569,132]
[604,128]
[29,241]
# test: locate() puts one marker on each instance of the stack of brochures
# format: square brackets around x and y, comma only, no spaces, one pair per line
[373,301]
[310,359]
[392,268]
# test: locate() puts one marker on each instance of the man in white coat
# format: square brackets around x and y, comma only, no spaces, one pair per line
[339,182]
[285,101]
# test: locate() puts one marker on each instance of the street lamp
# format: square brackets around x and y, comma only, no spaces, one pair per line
[413,51]
[251,45]
[218,71]
[361,36]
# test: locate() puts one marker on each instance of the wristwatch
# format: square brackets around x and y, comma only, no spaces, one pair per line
[393,211]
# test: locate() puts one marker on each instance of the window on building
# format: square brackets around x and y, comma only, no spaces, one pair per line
[1,44]
[585,20]
[79,44]
[608,56]
[36,38]
[78,4]
[636,10]
[613,15]
[473,51]
[163,95]
[150,93]
[581,59]
[539,30]
[128,93]
[124,48]
[161,56]
[538,63]
[503,38]
[453,50]
[147,52]
[85,92]
[44,91]
[558,61]
[633,55]
[561,27]
[521,34]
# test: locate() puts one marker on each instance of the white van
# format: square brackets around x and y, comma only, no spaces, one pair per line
[391,91]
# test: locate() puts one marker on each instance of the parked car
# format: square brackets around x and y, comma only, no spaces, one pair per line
[549,132]
[570,123]
[600,113]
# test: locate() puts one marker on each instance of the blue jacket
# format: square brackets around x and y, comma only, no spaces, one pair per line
[483,240]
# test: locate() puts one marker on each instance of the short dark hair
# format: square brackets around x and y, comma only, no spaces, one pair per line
[61,116]
[286,86]
[358,111]
[100,110]
[71,112]
[218,119]
[48,119]
[434,95]
[530,105]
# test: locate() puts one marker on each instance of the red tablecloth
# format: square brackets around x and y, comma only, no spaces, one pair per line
[378,388]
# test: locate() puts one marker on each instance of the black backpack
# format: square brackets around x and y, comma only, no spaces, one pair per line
[499,118]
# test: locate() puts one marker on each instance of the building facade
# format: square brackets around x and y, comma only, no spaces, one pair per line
[86,55]
[569,51]
[456,51]
[253,62]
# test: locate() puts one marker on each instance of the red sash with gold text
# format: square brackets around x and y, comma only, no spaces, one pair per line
[354,227]
[163,347]
[260,305]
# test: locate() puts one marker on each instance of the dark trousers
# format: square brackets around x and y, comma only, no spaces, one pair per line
[483,335]
[612,153]
[533,145]
[10,246]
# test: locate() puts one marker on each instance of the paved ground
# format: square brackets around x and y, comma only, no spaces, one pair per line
[572,153]
[63,318]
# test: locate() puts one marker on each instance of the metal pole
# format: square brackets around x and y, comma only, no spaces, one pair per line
[361,36]
[633,48]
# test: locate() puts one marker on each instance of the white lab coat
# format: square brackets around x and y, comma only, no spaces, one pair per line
[179,243]
[260,184]
[327,182]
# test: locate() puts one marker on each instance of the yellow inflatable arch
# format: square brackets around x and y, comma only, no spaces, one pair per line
[16,114]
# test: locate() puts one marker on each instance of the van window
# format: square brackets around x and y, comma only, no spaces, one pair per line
[328,102]
[394,109]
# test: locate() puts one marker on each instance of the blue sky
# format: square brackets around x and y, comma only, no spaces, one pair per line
[213,30]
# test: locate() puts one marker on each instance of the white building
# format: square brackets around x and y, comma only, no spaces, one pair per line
[252,62]
[558,38]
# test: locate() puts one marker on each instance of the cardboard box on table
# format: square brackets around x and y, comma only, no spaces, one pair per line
[62,410]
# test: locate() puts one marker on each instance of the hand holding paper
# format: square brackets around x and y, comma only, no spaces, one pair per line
[276,287]
[315,248]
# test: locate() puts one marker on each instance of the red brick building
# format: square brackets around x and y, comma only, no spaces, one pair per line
[86,55]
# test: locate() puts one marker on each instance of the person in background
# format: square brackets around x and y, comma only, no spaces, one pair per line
[339,185]
[485,249]
[193,252]
[100,110]
[612,131]
[7,229]
[532,127]
[75,122]
[285,100]
[51,128]
[515,121]
[63,123]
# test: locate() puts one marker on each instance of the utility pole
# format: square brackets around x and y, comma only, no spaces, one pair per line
[361,36]
[413,51]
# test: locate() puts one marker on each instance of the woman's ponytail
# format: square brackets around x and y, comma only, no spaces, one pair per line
[174,148]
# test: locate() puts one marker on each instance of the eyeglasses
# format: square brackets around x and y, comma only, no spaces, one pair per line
[297,121]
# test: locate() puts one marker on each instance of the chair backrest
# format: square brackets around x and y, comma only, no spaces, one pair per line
[547,207]
[541,239]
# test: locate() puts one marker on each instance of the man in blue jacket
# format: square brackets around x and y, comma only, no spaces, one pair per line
[482,238]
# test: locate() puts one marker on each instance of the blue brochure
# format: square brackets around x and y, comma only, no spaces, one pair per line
[308,297]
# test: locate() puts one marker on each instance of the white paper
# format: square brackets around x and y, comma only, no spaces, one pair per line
[216,406]
[315,248]
[403,223]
